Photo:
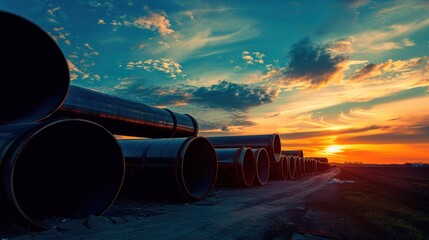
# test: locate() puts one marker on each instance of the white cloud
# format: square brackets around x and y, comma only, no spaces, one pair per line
[101,21]
[254,57]
[154,22]
[384,39]
[407,42]
[168,66]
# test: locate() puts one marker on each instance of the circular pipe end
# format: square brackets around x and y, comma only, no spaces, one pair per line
[34,74]
[276,147]
[65,169]
[246,167]
[199,167]
[285,167]
[262,166]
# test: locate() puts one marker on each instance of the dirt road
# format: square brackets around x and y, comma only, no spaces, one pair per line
[252,213]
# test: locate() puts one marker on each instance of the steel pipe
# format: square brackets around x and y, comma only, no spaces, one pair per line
[34,75]
[237,167]
[61,168]
[262,166]
[280,170]
[34,84]
[292,166]
[124,117]
[271,142]
[182,168]
[301,163]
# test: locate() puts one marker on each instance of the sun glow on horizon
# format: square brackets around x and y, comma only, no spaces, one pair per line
[333,149]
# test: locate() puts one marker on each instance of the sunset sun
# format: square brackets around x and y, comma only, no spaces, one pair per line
[333,149]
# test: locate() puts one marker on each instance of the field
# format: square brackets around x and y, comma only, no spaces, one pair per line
[378,202]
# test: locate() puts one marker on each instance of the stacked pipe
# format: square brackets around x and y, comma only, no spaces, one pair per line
[67,167]
[58,157]
[232,147]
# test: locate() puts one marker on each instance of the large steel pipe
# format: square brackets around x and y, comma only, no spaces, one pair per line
[237,167]
[183,168]
[34,82]
[292,166]
[34,75]
[124,117]
[280,170]
[62,169]
[262,166]
[271,142]
[301,164]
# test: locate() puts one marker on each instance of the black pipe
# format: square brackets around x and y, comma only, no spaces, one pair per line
[183,168]
[124,117]
[279,170]
[299,153]
[262,166]
[285,167]
[271,142]
[237,167]
[292,166]
[300,162]
[34,82]
[34,75]
[62,168]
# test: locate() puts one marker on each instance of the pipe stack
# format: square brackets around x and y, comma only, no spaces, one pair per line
[54,163]
[59,158]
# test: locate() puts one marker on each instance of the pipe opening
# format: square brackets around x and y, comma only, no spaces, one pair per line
[34,73]
[247,166]
[263,170]
[292,167]
[285,167]
[68,169]
[199,167]
[277,148]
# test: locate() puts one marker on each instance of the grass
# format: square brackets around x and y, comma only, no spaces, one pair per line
[388,215]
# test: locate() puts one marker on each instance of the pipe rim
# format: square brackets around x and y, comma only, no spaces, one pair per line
[246,167]
[276,147]
[285,167]
[41,100]
[262,166]
[198,191]
[36,223]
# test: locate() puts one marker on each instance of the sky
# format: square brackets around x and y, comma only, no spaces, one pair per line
[343,79]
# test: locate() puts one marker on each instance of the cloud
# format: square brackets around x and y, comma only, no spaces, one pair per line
[314,65]
[155,22]
[153,95]
[254,57]
[101,22]
[385,39]
[222,95]
[354,3]
[417,134]
[407,42]
[372,70]
[168,66]
[324,133]
[230,95]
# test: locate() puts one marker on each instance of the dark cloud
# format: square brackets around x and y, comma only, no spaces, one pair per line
[228,95]
[314,64]
[417,135]
[154,95]
[224,95]
[225,124]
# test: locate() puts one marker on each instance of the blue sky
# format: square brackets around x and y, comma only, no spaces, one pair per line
[321,73]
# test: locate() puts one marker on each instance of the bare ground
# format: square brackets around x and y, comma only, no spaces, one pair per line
[278,210]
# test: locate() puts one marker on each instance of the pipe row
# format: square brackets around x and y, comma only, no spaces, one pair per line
[59,158]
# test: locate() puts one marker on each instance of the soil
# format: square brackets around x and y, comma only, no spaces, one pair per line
[311,207]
